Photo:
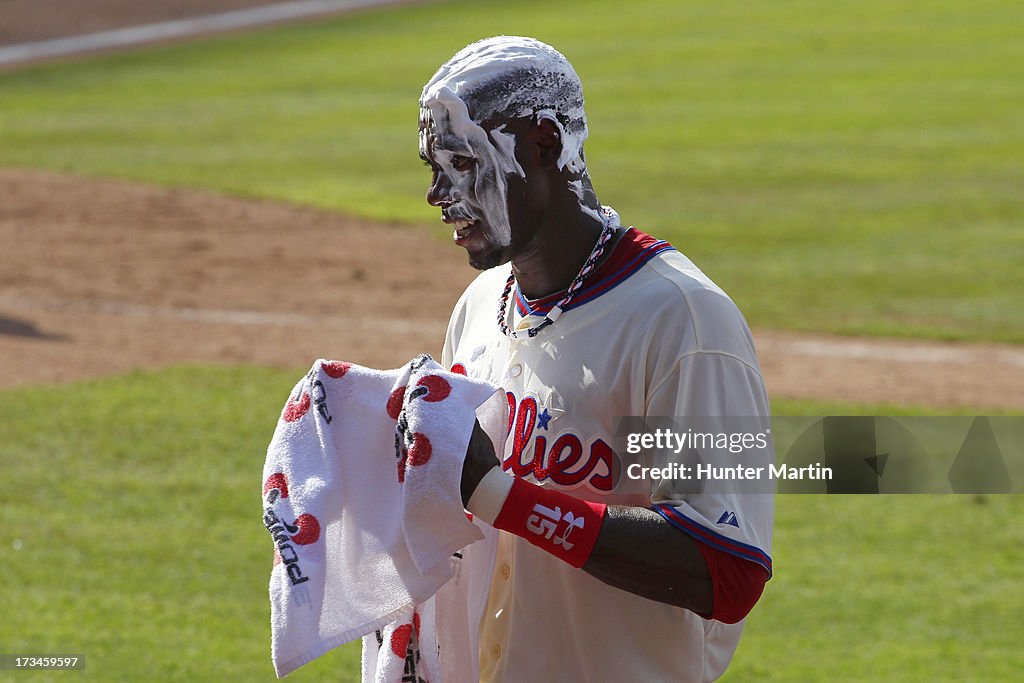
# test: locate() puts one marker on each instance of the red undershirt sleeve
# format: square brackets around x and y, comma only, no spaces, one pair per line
[737,584]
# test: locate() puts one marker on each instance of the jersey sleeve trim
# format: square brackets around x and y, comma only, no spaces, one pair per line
[712,538]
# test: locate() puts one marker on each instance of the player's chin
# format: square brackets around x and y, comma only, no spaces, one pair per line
[488,256]
[483,253]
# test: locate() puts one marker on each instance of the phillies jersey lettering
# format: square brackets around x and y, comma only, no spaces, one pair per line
[569,462]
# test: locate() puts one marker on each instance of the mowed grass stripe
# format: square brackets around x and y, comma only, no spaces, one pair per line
[855,170]
[130,531]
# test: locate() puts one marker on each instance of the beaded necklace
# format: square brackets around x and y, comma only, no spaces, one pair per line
[595,255]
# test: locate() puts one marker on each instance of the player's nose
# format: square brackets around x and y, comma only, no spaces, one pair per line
[440,190]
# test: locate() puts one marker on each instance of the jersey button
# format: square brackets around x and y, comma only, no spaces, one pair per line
[505,571]
[496,651]
[515,370]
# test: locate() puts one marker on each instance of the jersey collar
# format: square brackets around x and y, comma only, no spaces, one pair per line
[633,250]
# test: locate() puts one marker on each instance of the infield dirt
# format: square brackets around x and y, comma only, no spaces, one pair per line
[105,276]
[30,20]
[101,277]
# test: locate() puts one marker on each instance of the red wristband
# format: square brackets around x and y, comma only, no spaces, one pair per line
[553,521]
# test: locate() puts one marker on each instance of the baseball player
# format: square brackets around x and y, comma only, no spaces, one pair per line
[600,576]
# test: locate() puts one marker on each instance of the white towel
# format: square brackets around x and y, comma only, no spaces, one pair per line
[439,642]
[361,495]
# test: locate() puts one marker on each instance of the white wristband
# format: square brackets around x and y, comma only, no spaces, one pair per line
[489,497]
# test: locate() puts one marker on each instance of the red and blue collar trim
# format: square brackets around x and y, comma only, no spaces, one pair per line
[634,249]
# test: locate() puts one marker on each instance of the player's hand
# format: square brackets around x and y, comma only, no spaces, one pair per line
[480,459]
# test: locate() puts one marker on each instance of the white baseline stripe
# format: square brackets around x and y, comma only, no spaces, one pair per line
[790,345]
[221,316]
[179,28]
[903,353]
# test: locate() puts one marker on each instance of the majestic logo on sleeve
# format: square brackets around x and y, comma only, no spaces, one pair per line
[729,518]
[305,530]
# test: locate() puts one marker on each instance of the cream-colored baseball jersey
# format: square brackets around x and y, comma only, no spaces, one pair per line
[648,335]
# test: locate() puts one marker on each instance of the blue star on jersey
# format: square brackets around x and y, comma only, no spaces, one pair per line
[543,419]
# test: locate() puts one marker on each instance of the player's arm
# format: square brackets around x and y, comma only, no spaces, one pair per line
[631,548]
[635,548]
[638,551]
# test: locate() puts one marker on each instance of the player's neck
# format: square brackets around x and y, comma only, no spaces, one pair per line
[556,255]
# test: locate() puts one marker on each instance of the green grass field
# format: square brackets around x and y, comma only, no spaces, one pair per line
[134,503]
[854,170]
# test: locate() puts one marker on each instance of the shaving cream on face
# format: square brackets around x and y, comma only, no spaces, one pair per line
[504,78]
[506,143]
[480,191]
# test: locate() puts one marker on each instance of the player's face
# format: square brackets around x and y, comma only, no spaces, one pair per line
[471,169]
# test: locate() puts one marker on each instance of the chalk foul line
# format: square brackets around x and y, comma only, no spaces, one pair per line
[179,28]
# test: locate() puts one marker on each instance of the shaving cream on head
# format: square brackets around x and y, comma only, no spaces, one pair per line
[510,77]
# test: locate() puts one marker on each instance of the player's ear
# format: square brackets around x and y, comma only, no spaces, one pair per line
[548,141]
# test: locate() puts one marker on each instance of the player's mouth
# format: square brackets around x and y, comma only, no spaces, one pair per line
[463,230]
